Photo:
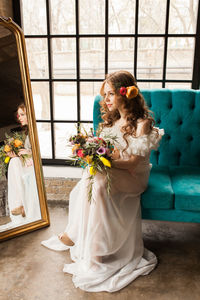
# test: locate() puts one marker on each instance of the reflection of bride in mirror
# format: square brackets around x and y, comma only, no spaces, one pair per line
[22,189]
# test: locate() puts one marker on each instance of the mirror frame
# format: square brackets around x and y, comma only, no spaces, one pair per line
[28,99]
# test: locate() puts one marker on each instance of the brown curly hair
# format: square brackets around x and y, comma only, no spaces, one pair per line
[135,108]
[23,107]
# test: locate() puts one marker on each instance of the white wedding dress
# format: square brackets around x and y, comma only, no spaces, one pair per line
[108,253]
[22,189]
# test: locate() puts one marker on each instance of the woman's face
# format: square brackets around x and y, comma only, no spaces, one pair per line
[21,114]
[111,99]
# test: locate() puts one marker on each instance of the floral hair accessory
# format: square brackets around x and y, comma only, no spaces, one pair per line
[123,91]
[130,91]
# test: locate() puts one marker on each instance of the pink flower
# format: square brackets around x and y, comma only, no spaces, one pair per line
[122,91]
[101,151]
[99,140]
[80,153]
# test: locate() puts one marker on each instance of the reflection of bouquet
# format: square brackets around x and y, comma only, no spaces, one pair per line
[12,144]
[94,152]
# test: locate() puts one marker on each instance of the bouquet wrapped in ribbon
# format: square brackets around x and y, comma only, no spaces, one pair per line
[12,144]
[93,152]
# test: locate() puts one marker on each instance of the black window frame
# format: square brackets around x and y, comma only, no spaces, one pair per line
[195,81]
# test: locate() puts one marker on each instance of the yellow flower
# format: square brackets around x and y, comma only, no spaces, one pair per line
[17,143]
[92,171]
[105,161]
[7,148]
[7,159]
[131,92]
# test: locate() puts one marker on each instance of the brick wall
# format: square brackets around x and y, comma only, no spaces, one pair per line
[57,192]
[3,198]
[58,189]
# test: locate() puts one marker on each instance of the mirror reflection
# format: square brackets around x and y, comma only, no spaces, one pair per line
[19,201]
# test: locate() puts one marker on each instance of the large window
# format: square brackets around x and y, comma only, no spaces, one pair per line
[72,44]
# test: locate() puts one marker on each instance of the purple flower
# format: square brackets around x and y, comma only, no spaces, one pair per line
[101,151]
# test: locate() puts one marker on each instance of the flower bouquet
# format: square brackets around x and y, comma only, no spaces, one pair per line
[93,152]
[11,144]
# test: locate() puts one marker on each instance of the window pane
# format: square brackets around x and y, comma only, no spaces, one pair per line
[34,16]
[152,16]
[180,57]
[178,85]
[64,58]
[150,85]
[121,54]
[63,131]
[62,17]
[86,126]
[40,92]
[44,134]
[37,58]
[88,92]
[92,61]
[121,16]
[92,16]
[65,101]
[150,58]
[183,16]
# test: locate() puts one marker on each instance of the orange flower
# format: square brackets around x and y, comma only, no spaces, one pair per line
[7,148]
[131,92]
[76,146]
[17,143]
[88,159]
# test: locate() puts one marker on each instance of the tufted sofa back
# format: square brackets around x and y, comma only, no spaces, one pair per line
[178,112]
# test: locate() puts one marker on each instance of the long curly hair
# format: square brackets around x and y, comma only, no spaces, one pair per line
[135,108]
[23,107]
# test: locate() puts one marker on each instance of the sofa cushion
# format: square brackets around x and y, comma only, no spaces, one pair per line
[186,186]
[159,193]
[177,111]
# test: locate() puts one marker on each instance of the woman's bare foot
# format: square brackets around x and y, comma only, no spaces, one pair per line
[18,211]
[23,212]
[63,237]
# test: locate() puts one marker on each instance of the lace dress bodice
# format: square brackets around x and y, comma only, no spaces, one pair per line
[141,145]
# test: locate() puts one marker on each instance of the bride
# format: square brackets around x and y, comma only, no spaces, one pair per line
[105,236]
[23,198]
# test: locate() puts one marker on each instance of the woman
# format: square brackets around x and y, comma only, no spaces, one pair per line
[22,189]
[105,237]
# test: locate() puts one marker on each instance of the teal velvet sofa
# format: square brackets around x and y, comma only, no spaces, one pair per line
[173,192]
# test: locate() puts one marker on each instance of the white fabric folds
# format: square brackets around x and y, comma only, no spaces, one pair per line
[142,145]
[22,189]
[109,253]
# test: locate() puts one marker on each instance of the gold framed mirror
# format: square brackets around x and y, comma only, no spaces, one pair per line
[23,205]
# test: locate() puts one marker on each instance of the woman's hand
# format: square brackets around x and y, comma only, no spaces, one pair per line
[115,154]
[11,154]
[28,162]
[24,151]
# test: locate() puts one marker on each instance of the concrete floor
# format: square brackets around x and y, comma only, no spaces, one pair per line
[29,271]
